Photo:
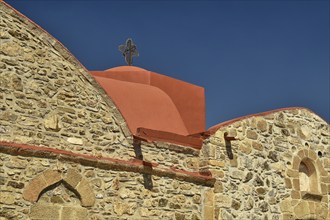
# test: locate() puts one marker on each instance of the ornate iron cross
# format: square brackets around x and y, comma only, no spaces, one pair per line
[129,50]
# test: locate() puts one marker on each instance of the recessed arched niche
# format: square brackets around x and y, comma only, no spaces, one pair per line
[308,181]
[308,178]
[60,195]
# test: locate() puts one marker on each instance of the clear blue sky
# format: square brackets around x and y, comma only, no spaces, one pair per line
[250,56]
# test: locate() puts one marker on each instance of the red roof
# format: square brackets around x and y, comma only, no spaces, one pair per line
[154,101]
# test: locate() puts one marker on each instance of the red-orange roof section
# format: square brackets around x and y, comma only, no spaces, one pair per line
[154,101]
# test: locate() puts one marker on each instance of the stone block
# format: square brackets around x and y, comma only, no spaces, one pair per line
[288,216]
[322,210]
[288,183]
[245,149]
[248,177]
[235,204]
[52,123]
[302,209]
[209,198]
[257,146]
[273,156]
[14,184]
[208,212]
[74,213]
[72,178]
[248,204]
[218,187]
[312,207]
[34,188]
[16,163]
[295,194]
[305,152]
[223,201]
[40,211]
[261,190]
[324,189]
[296,184]
[86,193]
[286,206]
[234,162]
[301,154]
[7,198]
[52,176]
[296,163]
[144,212]
[217,163]
[179,216]
[262,125]
[292,173]
[76,141]
[322,171]
[251,135]
[312,155]
[217,173]
[223,215]
[263,206]
[237,174]
[294,202]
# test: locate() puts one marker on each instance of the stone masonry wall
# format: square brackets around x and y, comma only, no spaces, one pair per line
[118,195]
[259,181]
[66,140]
[48,98]
[50,103]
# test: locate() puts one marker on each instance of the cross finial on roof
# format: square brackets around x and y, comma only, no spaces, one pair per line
[129,50]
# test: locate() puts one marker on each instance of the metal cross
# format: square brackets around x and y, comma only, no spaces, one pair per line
[129,50]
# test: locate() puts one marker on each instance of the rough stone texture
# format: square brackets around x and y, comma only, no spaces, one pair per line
[120,194]
[264,176]
[48,100]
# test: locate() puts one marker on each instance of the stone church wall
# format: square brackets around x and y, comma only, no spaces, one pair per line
[113,194]
[57,124]
[48,98]
[262,180]
[65,148]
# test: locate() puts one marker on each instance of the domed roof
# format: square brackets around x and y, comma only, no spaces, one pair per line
[154,101]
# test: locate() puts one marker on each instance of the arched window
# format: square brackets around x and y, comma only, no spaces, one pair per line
[308,176]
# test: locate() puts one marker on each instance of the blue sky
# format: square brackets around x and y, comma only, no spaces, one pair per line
[250,56]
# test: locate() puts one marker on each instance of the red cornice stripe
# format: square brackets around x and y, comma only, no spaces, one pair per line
[134,165]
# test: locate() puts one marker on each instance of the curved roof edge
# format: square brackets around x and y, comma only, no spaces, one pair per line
[212,130]
[43,30]
[189,99]
[144,106]
[71,58]
[120,68]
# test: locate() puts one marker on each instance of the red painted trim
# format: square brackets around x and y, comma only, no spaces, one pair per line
[214,129]
[19,147]
[134,163]
[150,135]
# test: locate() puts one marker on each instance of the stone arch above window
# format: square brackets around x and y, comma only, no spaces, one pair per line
[50,177]
[307,177]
